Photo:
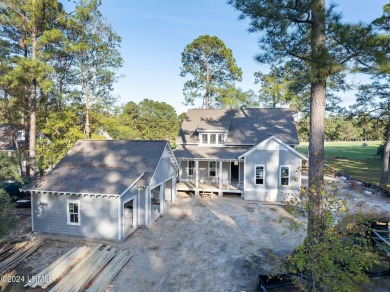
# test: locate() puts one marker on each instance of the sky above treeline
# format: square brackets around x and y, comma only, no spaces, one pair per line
[154,34]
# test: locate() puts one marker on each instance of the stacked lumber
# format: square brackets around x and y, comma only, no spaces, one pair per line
[109,273]
[59,268]
[11,256]
[80,267]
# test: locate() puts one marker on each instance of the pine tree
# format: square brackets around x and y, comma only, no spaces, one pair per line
[212,66]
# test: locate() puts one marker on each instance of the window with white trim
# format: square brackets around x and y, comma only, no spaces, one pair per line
[73,212]
[259,174]
[20,135]
[191,167]
[204,139]
[213,138]
[221,138]
[284,175]
[212,168]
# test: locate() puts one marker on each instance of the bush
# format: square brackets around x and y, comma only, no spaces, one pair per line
[337,261]
[7,217]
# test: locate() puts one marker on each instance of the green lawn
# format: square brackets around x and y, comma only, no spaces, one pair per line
[352,158]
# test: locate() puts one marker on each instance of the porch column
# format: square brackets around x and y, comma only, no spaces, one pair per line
[220,193]
[162,201]
[196,173]
[174,190]
[220,174]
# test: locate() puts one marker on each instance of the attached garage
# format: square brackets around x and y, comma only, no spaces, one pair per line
[105,189]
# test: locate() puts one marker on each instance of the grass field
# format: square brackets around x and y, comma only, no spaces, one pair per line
[352,158]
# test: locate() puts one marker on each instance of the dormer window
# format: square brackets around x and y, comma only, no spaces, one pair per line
[204,139]
[212,139]
[221,138]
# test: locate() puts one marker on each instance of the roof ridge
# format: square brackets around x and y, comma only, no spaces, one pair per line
[121,140]
[234,109]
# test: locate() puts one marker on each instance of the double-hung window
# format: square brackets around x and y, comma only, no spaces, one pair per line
[259,174]
[213,138]
[205,139]
[73,212]
[221,138]
[212,168]
[284,175]
[191,166]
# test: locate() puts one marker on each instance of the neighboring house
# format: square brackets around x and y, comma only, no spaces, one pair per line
[8,144]
[248,151]
[6,140]
[105,189]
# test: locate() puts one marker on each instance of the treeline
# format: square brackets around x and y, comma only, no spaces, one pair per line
[346,128]
[57,71]
[149,120]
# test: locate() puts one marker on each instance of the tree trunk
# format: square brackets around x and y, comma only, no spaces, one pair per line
[317,133]
[386,156]
[207,96]
[31,169]
[87,129]
[10,120]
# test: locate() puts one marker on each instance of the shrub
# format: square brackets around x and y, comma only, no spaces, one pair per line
[7,217]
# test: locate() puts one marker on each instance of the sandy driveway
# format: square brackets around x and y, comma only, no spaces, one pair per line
[218,244]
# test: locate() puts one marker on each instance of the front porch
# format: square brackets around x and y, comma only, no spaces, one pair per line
[211,176]
[208,188]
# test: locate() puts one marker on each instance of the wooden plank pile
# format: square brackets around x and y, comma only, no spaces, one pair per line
[379,237]
[11,256]
[80,267]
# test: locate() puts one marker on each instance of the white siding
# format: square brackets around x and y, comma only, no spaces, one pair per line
[271,190]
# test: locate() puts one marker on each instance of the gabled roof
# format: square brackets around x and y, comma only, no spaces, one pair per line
[280,142]
[245,126]
[103,167]
[221,124]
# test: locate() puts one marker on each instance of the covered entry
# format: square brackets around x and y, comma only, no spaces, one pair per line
[169,195]
[234,172]
[155,202]
[129,216]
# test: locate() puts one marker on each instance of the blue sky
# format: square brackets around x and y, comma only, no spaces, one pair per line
[154,33]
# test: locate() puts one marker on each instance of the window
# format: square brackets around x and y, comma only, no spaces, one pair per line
[204,139]
[213,139]
[259,174]
[191,166]
[73,212]
[221,138]
[20,135]
[212,168]
[284,175]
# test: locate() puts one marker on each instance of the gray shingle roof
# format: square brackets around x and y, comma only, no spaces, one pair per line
[246,126]
[218,153]
[102,167]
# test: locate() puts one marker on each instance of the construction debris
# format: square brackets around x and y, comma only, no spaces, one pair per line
[380,234]
[11,256]
[80,267]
